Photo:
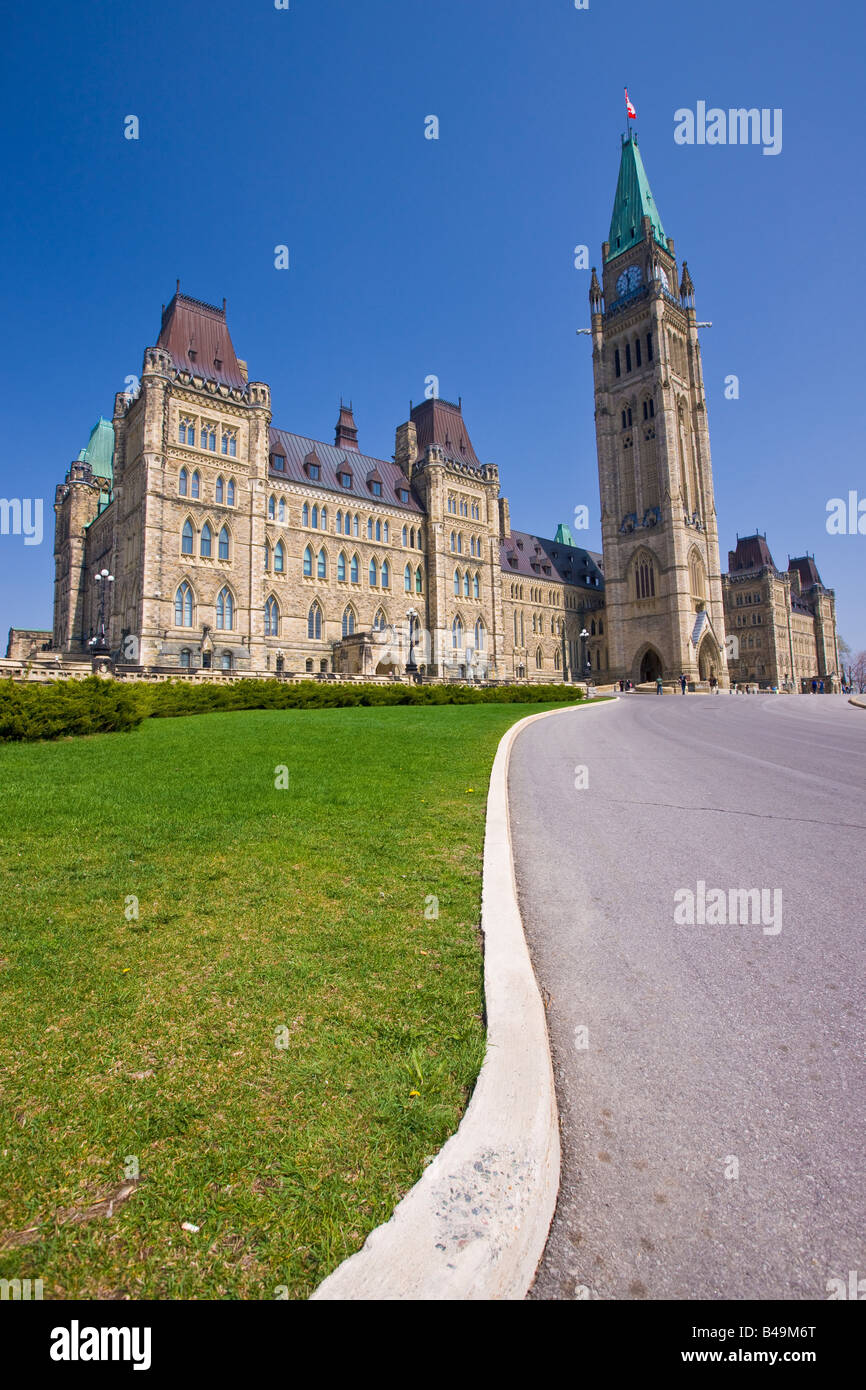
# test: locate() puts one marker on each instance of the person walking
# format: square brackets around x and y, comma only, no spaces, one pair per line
[659,686]
[683,683]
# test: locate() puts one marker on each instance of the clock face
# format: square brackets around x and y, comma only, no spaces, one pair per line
[663,276]
[635,277]
[622,283]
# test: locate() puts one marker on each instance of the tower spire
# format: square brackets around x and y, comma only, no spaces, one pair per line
[633,202]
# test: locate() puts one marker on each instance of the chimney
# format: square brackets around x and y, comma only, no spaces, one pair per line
[504,519]
[406,447]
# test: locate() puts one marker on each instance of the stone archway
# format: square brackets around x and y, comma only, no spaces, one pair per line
[650,666]
[708,659]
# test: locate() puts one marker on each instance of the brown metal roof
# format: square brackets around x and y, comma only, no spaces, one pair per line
[441,422]
[295,448]
[752,553]
[532,557]
[807,570]
[197,337]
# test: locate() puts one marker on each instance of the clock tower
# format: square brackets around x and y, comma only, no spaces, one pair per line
[663,590]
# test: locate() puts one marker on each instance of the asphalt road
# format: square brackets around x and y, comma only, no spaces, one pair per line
[710,1077]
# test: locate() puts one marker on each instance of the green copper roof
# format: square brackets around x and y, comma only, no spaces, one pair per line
[563,535]
[99,452]
[633,202]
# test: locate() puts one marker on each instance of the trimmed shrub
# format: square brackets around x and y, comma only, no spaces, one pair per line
[56,709]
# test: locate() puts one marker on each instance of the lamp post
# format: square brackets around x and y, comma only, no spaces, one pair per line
[103,579]
[411,664]
[585,662]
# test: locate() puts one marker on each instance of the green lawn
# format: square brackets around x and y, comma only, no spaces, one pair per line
[259,910]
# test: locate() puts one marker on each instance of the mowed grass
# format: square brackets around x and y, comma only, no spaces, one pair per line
[265,917]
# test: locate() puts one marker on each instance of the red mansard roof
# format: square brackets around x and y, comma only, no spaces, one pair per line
[197,337]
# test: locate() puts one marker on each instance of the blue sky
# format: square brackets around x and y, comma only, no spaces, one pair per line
[412,257]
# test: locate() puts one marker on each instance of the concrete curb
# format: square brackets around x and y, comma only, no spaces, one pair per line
[475,1224]
[860,704]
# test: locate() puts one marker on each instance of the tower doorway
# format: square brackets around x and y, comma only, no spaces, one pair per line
[650,666]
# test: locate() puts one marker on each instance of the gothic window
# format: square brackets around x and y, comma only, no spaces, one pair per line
[354,526]
[225,608]
[645,579]
[186,538]
[272,617]
[185,659]
[339,523]
[267,556]
[378,530]
[480,634]
[649,347]
[419,581]
[183,606]
[457,634]
[616,361]
[219,490]
[226,661]
[405,536]
[354,570]
[515,629]
[308,563]
[628,357]
[281,509]
[476,587]
[637,352]
[539,657]
[624,420]
[460,543]
[272,508]
[556,662]
[322,565]
[453,542]
[386,532]
[380,622]
[223,549]
[206,541]
[386,575]
[230,493]
[305,514]
[195,489]
[182,482]
[341,567]
[456,583]
[324,519]
[466,583]
[314,623]
[601,627]
[315,517]
[407,579]
[208,437]
[229,443]
[186,431]
[374,573]
[348,621]
[280,559]
[369,528]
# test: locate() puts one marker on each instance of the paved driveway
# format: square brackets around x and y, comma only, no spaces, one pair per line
[710,1072]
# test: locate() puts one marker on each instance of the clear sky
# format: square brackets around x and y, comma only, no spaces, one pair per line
[454,257]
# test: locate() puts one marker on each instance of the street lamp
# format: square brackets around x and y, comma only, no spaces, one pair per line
[103,579]
[587,664]
[411,664]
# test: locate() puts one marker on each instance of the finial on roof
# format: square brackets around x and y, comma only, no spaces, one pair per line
[595,300]
[687,289]
[177,291]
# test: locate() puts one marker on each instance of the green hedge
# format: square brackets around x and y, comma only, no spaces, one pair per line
[58,708]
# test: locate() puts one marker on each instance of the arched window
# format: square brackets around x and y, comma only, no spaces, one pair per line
[348,621]
[314,623]
[515,630]
[224,543]
[534,624]
[380,622]
[226,661]
[459,542]
[378,530]
[182,482]
[616,361]
[195,489]
[405,536]
[457,634]
[272,617]
[230,493]
[466,584]
[645,579]
[280,559]
[354,525]
[480,633]
[556,660]
[272,508]
[453,542]
[592,628]
[386,532]
[628,357]
[419,581]
[386,575]
[339,523]
[324,519]
[369,528]
[374,573]
[341,567]
[185,659]
[456,583]
[315,516]
[355,570]
[305,514]
[539,657]
[186,431]
[220,489]
[476,587]
[407,579]
[183,606]
[281,509]
[206,541]
[637,352]
[225,610]
[308,563]
[186,538]
[267,556]
[322,565]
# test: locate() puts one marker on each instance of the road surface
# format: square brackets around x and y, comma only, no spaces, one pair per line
[710,1076]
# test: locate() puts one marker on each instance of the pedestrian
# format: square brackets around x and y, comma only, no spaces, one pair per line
[814,687]
[622,686]
[683,683]
[659,686]
[714,685]
[821,688]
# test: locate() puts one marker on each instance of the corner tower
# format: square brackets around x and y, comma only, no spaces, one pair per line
[658,517]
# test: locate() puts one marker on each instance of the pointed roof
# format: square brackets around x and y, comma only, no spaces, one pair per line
[346,436]
[99,450]
[197,337]
[633,202]
[441,422]
[807,570]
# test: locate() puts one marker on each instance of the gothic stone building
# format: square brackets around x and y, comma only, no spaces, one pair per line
[240,546]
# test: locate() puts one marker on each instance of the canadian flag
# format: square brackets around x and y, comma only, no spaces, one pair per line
[632,114]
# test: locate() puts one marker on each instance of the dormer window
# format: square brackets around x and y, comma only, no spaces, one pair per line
[403,494]
[313,472]
[278,462]
[344,479]
[376,488]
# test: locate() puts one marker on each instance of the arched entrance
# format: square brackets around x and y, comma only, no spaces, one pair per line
[708,659]
[650,666]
